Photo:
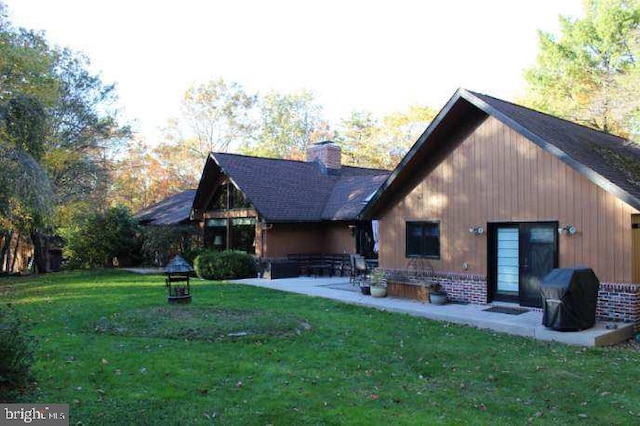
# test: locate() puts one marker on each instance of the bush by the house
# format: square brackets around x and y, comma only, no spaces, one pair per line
[224,265]
[97,239]
[16,356]
[161,243]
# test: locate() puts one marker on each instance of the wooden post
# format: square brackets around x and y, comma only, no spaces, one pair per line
[635,247]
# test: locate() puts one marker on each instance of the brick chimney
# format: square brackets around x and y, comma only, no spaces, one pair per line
[327,153]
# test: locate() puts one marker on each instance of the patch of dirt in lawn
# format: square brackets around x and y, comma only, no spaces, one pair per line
[200,323]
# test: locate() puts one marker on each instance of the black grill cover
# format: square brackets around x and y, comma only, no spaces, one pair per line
[569,297]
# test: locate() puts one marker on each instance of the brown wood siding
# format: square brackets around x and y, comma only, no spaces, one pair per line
[338,239]
[283,239]
[307,238]
[497,175]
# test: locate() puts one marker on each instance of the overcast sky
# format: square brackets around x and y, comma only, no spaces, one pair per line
[375,55]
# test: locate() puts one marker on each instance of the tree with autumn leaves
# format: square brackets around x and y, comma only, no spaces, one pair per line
[222,116]
[57,131]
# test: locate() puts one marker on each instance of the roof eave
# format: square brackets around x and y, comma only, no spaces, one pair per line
[371,207]
[212,157]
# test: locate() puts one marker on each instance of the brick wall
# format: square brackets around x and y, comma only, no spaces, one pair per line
[616,301]
[466,288]
[619,302]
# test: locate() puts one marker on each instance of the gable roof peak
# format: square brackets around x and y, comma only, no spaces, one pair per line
[607,160]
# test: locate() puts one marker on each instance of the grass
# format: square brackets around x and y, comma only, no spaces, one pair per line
[111,347]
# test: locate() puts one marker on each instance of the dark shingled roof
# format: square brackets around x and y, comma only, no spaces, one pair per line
[172,210]
[295,191]
[609,161]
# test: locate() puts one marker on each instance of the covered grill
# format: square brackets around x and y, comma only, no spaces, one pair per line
[569,298]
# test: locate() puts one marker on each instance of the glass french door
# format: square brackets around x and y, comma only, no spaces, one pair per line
[521,255]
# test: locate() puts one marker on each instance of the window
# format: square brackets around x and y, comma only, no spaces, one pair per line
[243,234]
[215,234]
[423,239]
[228,197]
[237,199]
[219,200]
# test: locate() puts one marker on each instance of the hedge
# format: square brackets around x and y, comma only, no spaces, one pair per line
[225,265]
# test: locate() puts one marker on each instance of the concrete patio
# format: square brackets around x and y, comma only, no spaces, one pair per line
[528,324]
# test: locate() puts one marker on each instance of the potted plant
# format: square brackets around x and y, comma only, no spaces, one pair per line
[365,288]
[437,296]
[378,283]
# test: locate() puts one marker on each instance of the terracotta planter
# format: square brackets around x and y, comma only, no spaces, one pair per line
[378,291]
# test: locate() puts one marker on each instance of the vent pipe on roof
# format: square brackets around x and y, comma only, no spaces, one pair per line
[327,153]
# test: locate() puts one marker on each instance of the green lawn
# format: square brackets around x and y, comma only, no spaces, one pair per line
[111,347]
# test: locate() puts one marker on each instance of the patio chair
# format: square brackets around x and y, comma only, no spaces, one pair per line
[346,265]
[352,269]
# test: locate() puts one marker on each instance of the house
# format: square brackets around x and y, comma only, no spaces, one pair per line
[173,210]
[493,195]
[168,229]
[274,208]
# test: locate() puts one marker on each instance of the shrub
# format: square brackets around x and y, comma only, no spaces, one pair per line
[97,238]
[224,265]
[16,356]
[162,242]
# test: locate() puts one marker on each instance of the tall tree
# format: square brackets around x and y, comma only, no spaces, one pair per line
[381,143]
[145,174]
[288,123]
[356,135]
[26,195]
[57,130]
[590,74]
[215,115]
[84,132]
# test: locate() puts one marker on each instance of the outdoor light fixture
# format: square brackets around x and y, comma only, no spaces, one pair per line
[567,229]
[352,228]
[476,230]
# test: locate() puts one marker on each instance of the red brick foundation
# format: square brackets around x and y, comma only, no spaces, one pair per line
[619,302]
[465,288]
[616,301]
